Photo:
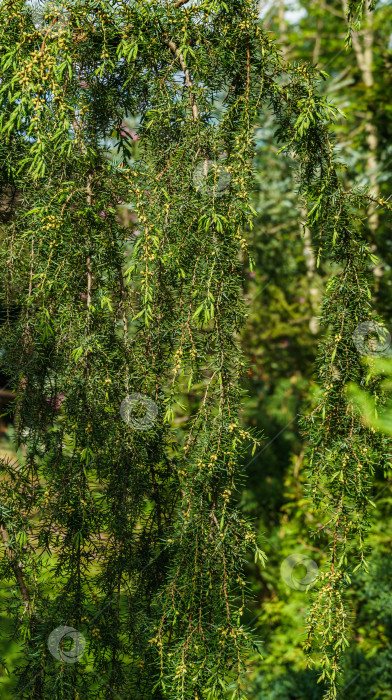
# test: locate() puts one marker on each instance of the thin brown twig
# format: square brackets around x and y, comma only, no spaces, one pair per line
[16,567]
[179,3]
[188,80]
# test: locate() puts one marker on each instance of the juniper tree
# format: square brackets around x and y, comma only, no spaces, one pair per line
[120,527]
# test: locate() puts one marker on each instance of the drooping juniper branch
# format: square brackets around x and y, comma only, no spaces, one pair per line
[16,567]
[88,262]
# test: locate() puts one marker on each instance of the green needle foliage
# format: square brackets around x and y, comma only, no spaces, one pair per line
[125,527]
[355,11]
